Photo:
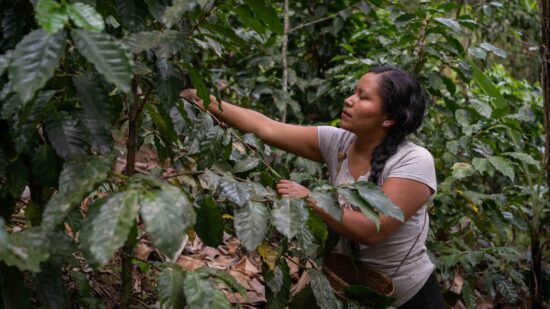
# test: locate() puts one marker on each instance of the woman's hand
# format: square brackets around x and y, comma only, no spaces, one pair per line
[292,189]
[191,95]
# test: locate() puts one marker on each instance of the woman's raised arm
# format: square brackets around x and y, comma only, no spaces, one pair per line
[299,140]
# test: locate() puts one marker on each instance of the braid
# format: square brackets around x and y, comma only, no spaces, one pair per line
[382,153]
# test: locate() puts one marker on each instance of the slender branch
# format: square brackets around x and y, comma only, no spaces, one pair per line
[240,139]
[284,57]
[203,18]
[420,45]
[320,20]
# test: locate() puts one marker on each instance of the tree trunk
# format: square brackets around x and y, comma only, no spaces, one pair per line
[536,279]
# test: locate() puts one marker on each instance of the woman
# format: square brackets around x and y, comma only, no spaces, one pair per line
[386,106]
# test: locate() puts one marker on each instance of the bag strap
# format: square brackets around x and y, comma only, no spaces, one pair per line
[414,243]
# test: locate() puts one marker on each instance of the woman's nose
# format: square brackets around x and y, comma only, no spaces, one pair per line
[348,101]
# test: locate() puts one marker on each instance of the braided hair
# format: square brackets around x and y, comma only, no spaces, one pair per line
[404,101]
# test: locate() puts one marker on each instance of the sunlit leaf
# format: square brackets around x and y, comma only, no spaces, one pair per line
[449,23]
[107,56]
[288,216]
[170,288]
[374,196]
[34,61]
[322,290]
[86,17]
[200,292]
[251,223]
[502,165]
[167,214]
[51,15]
[328,202]
[236,191]
[111,226]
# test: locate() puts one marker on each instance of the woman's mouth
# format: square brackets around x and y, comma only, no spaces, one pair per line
[344,113]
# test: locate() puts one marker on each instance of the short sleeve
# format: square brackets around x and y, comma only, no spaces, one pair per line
[416,164]
[328,142]
[331,141]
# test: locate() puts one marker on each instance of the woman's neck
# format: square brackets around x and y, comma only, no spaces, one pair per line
[364,144]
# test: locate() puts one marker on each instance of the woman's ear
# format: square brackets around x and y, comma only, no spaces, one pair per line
[388,123]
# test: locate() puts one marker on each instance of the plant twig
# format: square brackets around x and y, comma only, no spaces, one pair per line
[240,139]
[313,22]
[284,53]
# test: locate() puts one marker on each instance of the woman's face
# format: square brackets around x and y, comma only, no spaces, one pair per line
[362,111]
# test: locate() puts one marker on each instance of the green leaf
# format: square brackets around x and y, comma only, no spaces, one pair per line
[67,136]
[235,191]
[201,292]
[34,61]
[25,126]
[158,7]
[449,23]
[175,13]
[132,13]
[266,14]
[226,32]
[108,57]
[468,295]
[251,224]
[46,166]
[372,194]
[170,288]
[169,84]
[225,278]
[288,216]
[111,226]
[86,17]
[50,286]
[477,52]
[5,60]
[51,15]
[26,249]
[505,288]
[502,165]
[140,41]
[500,103]
[523,157]
[246,164]
[199,83]
[462,170]
[492,48]
[209,224]
[482,108]
[167,214]
[329,203]
[247,17]
[322,290]
[164,124]
[277,285]
[98,111]
[77,179]
[480,164]
[354,199]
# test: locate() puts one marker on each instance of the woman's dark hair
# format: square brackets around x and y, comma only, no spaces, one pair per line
[404,101]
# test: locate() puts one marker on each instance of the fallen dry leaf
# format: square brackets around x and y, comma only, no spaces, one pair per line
[189,263]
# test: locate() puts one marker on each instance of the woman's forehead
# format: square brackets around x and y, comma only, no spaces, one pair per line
[368,82]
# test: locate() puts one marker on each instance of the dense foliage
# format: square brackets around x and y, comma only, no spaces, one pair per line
[87,85]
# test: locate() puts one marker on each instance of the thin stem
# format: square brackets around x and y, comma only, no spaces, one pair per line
[284,57]
[325,18]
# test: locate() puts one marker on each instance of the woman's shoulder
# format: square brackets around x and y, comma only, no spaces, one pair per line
[410,149]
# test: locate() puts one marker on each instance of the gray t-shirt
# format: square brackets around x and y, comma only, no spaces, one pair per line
[411,162]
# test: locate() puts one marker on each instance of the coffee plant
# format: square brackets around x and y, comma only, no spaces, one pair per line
[87,86]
